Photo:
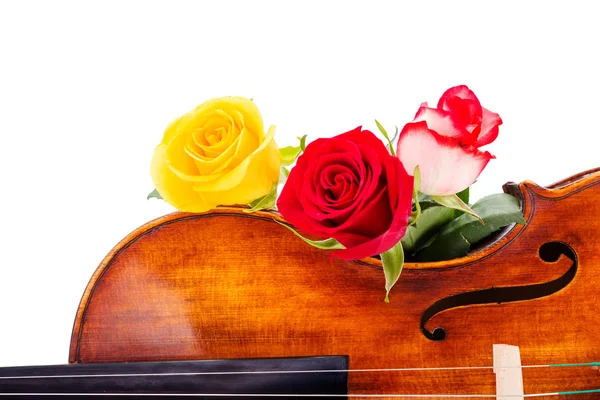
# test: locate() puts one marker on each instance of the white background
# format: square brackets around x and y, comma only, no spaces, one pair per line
[87,88]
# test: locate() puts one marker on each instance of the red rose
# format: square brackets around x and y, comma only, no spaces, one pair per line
[351,189]
[444,142]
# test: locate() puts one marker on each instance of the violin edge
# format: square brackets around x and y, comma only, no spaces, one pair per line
[561,188]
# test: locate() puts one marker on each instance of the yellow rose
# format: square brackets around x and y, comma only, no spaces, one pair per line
[217,154]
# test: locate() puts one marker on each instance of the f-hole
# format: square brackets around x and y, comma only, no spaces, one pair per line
[549,252]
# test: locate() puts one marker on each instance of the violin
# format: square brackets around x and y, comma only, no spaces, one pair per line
[231,285]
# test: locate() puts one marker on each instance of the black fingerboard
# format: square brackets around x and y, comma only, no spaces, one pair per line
[210,379]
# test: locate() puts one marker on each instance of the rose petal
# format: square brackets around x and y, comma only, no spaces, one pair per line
[401,186]
[315,206]
[445,166]
[443,123]
[234,177]
[370,181]
[213,137]
[261,173]
[344,150]
[172,188]
[465,107]
[401,189]
[230,105]
[489,128]
[173,129]
[461,91]
[371,220]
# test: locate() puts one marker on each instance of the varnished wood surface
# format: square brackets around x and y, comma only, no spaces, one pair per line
[228,284]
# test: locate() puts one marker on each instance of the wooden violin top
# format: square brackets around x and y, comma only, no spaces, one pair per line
[229,284]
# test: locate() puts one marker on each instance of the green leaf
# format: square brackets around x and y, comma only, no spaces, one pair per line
[154,195]
[429,224]
[266,202]
[453,201]
[417,184]
[455,239]
[392,261]
[283,175]
[289,154]
[395,134]
[464,195]
[302,143]
[426,201]
[327,244]
[385,135]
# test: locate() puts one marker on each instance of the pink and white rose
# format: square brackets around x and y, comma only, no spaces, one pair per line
[443,142]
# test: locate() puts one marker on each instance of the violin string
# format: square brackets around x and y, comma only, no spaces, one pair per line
[355,395]
[369,370]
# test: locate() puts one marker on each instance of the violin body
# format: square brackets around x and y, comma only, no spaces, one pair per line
[229,284]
